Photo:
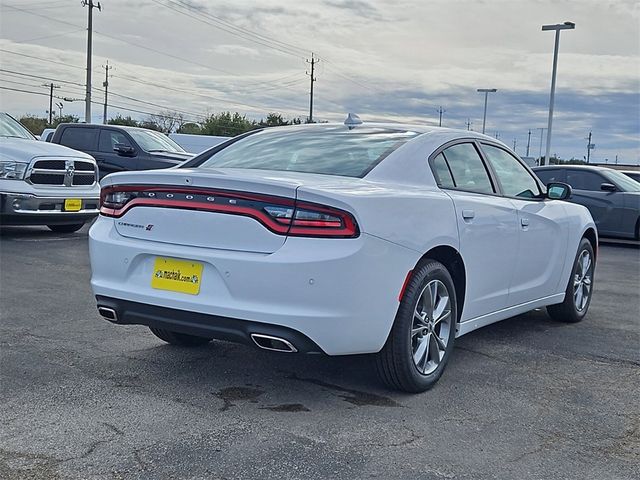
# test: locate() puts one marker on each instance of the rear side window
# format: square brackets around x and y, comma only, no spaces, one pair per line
[443,174]
[585,180]
[329,150]
[84,139]
[467,169]
[109,138]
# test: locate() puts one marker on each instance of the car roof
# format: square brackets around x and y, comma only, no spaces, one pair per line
[579,167]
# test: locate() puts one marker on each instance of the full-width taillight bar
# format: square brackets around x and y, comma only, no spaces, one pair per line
[281,215]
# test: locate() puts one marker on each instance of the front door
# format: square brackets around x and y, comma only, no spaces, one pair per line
[542,229]
[110,161]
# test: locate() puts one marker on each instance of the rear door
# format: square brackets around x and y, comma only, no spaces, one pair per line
[82,137]
[585,185]
[487,226]
[110,161]
[542,228]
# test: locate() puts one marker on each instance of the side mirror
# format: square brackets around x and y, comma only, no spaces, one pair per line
[608,187]
[124,149]
[558,191]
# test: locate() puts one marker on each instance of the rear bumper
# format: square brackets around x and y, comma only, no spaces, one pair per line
[202,325]
[29,209]
[341,294]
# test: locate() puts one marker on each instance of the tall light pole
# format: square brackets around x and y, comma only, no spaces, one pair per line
[486,92]
[87,106]
[556,28]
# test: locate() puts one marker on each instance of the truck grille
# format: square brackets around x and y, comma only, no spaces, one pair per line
[67,172]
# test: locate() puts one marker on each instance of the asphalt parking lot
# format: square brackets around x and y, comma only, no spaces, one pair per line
[525,398]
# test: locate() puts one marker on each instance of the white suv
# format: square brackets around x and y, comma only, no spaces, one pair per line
[43,183]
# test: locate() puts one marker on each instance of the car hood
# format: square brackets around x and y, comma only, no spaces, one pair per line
[24,150]
[175,156]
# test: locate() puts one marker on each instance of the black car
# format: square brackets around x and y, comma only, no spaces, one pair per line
[612,197]
[119,148]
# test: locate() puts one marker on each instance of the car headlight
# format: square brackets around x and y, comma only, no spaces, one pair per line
[10,170]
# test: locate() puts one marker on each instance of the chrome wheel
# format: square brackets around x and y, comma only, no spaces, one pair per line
[582,281]
[431,327]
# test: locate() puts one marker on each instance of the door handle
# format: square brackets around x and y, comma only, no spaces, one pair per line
[524,222]
[468,214]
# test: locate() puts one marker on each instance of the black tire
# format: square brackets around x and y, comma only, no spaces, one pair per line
[66,228]
[567,311]
[181,339]
[395,362]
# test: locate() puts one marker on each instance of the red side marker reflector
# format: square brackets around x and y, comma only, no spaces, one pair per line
[404,285]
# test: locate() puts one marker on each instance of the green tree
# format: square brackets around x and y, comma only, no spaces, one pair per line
[34,124]
[64,119]
[125,121]
[227,124]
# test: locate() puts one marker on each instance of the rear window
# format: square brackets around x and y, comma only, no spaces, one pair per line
[330,150]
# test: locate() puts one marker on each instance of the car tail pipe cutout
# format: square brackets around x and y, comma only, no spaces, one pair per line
[108,314]
[277,344]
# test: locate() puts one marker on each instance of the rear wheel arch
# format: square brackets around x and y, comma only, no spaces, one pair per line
[590,234]
[450,258]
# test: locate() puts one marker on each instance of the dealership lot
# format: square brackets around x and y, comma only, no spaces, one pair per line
[524,398]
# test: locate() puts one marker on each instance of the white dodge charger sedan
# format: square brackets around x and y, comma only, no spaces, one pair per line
[341,239]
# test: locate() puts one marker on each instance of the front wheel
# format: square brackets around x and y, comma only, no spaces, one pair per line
[577,297]
[181,339]
[423,333]
[65,228]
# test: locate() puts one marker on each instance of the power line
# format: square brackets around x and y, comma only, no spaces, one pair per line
[41,59]
[230,28]
[40,77]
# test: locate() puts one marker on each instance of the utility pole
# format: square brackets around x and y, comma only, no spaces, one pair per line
[557,29]
[468,124]
[87,107]
[312,62]
[528,142]
[540,153]
[486,92]
[616,158]
[497,135]
[51,87]
[514,144]
[440,111]
[589,147]
[105,84]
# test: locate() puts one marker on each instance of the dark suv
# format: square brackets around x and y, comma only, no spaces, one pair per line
[612,198]
[118,148]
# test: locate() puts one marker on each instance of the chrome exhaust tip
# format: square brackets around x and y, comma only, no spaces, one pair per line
[276,344]
[108,313]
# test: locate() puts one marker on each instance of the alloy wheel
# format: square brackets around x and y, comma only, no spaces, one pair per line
[430,327]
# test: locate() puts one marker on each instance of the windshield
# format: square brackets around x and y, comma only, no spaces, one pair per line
[329,150]
[10,127]
[151,141]
[625,183]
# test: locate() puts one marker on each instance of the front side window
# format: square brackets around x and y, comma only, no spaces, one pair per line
[80,138]
[328,150]
[109,139]
[585,180]
[514,178]
[467,169]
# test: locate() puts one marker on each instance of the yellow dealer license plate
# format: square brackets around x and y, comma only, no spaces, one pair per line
[182,276]
[72,205]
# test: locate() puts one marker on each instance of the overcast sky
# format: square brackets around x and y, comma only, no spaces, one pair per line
[397,61]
